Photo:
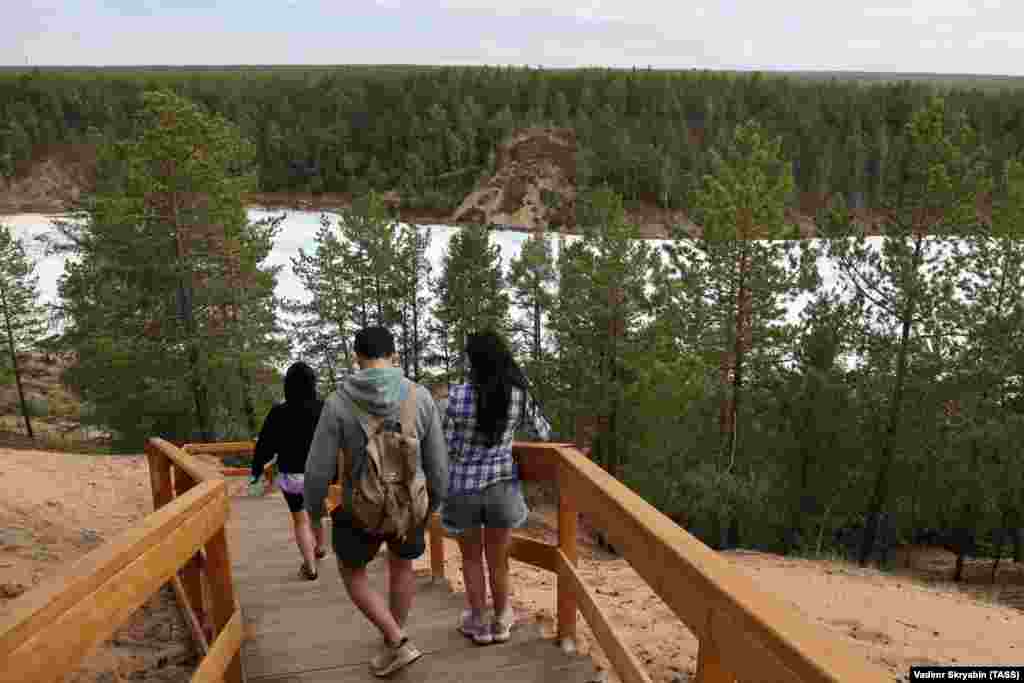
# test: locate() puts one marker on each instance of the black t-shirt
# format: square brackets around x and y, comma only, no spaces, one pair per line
[287,432]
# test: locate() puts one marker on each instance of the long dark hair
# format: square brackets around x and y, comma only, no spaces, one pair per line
[492,372]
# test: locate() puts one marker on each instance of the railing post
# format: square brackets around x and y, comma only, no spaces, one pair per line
[709,662]
[436,548]
[566,600]
[191,572]
[222,594]
[159,477]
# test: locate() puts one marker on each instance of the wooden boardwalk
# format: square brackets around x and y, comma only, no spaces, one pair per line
[299,631]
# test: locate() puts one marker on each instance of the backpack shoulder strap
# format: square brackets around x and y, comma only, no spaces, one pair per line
[407,410]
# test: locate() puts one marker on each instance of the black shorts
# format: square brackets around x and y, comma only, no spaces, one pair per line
[355,547]
[294,500]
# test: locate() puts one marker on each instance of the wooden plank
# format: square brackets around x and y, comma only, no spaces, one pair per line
[626,664]
[189,615]
[333,638]
[533,661]
[197,469]
[46,639]
[566,594]
[436,547]
[191,572]
[692,580]
[40,606]
[537,461]
[215,666]
[159,476]
[532,552]
[287,614]
[221,448]
[222,594]
[710,667]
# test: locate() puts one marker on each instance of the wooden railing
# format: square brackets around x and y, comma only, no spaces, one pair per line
[50,628]
[745,633]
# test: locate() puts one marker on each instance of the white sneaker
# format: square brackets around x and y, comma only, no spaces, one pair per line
[395,657]
[501,627]
[477,629]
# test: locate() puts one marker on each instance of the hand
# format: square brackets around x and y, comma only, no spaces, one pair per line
[255,487]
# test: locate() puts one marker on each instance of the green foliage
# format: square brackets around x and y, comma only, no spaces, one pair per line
[167,305]
[22,322]
[37,407]
[598,317]
[428,131]
[470,294]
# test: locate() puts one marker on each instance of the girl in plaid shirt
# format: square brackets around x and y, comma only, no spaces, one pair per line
[485,498]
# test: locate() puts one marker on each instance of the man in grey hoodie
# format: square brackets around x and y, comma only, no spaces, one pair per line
[378,388]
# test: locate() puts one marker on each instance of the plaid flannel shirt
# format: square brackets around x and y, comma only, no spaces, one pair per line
[473,466]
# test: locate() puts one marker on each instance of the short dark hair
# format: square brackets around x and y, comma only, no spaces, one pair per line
[374,342]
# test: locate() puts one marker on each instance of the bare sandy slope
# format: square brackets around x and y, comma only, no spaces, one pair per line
[894,621]
[55,507]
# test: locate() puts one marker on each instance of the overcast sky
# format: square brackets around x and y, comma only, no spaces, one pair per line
[939,36]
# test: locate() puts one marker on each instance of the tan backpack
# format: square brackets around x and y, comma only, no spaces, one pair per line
[388,495]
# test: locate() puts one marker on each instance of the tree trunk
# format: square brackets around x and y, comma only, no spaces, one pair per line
[958,573]
[14,364]
[247,404]
[416,332]
[536,329]
[999,552]
[881,487]
[743,316]
[800,505]
[199,394]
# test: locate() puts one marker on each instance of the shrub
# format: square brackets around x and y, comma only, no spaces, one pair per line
[37,407]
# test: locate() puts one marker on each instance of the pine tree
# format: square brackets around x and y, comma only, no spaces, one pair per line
[168,275]
[23,320]
[531,278]
[601,300]
[470,294]
[934,195]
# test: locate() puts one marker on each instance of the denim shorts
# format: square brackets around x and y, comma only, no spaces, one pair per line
[499,506]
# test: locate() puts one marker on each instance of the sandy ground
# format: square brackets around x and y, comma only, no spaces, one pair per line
[55,508]
[58,506]
[895,621]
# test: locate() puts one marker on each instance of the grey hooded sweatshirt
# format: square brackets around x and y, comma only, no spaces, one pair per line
[339,426]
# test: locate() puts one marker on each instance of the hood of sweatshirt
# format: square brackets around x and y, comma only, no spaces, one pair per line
[375,390]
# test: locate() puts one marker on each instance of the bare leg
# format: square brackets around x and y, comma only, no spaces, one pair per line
[304,537]
[370,602]
[401,588]
[496,546]
[471,547]
[318,536]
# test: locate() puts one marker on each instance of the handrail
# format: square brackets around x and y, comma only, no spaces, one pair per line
[51,628]
[207,587]
[745,633]
[222,448]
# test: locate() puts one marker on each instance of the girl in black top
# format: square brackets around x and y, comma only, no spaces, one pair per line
[287,432]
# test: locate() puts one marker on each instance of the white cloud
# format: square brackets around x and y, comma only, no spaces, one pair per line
[975,36]
[864,44]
